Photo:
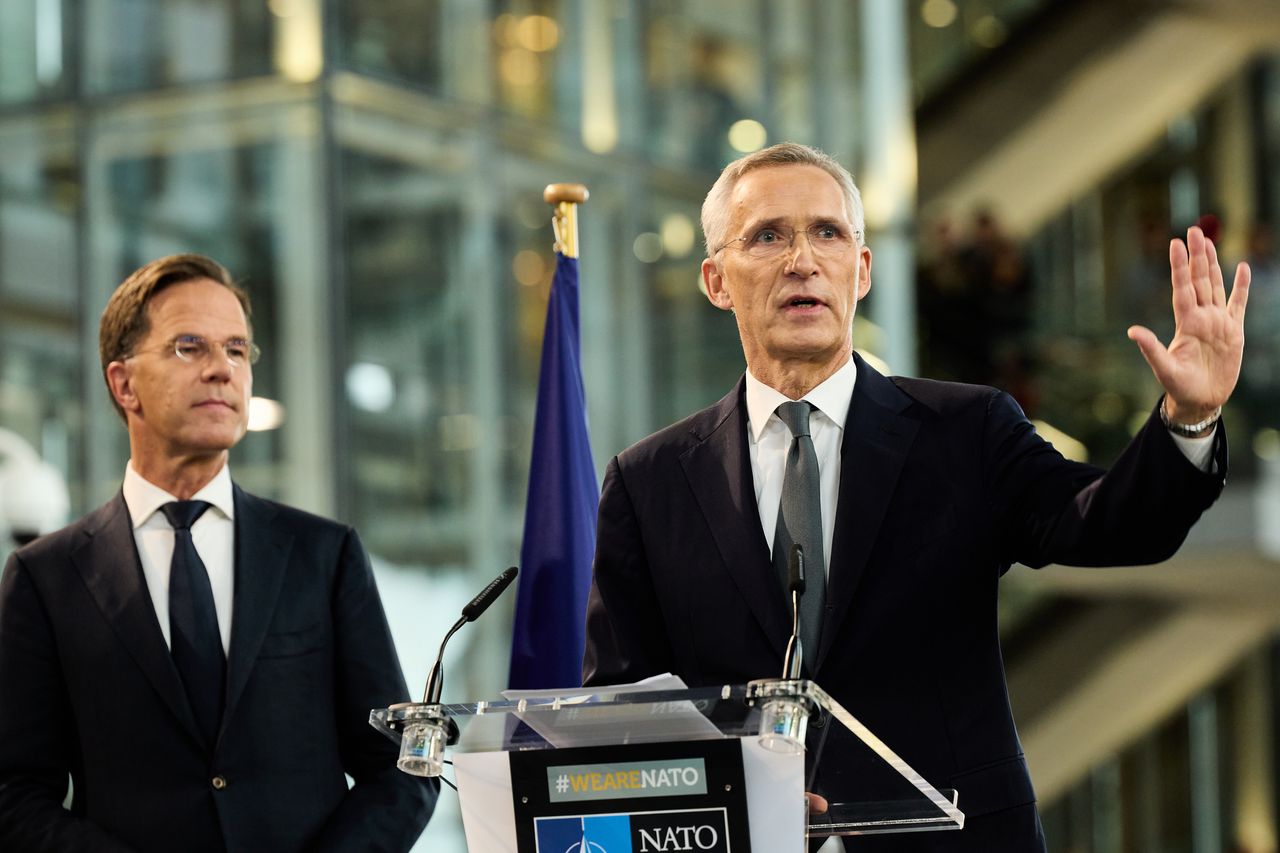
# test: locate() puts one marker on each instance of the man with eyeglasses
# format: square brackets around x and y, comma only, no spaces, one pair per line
[199,661]
[910,498]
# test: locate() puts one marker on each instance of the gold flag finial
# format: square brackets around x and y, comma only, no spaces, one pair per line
[564,219]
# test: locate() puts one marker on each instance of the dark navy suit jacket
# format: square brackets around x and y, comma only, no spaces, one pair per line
[942,487]
[88,688]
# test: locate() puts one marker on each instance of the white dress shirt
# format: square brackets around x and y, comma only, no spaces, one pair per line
[213,534]
[770,440]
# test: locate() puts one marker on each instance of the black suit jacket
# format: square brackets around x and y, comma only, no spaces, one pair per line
[942,487]
[87,687]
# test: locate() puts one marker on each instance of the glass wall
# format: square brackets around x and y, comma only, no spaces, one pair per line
[38,59]
[132,45]
[40,340]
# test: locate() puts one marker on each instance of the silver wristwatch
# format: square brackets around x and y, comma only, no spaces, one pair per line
[1196,430]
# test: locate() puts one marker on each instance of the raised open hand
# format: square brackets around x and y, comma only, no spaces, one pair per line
[1199,369]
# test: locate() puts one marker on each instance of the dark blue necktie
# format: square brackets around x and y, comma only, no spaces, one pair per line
[195,642]
[800,521]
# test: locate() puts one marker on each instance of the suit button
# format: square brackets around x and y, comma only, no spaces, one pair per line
[219,782]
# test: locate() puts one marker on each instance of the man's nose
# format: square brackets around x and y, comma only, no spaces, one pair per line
[216,367]
[800,255]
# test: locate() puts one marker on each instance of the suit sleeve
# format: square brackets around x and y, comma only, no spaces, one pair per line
[625,641]
[386,809]
[37,735]
[1052,510]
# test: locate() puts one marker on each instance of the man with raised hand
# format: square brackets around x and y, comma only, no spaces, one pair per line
[910,497]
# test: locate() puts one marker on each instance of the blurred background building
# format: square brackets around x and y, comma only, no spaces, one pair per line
[373,169]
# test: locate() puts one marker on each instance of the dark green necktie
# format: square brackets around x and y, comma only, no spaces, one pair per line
[194,642]
[800,521]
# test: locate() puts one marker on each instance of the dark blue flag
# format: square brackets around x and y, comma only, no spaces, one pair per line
[560,512]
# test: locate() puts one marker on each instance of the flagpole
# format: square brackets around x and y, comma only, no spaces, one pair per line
[565,198]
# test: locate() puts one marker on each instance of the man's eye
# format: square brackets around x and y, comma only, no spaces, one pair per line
[238,350]
[827,232]
[767,236]
[190,346]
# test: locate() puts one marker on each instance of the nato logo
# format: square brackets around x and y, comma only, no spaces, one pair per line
[588,834]
[694,830]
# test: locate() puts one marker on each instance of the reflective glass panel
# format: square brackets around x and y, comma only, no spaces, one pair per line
[35,55]
[147,44]
[40,396]
[406,379]
[40,407]
[535,72]
[404,40]
[39,194]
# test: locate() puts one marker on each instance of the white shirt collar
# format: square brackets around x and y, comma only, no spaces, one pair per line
[832,398]
[143,498]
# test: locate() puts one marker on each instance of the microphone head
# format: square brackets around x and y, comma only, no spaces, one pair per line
[489,594]
[795,569]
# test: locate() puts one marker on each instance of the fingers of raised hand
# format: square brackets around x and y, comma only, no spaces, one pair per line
[1216,287]
[1198,265]
[1152,350]
[1184,292]
[1240,292]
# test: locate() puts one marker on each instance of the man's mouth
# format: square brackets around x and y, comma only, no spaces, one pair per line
[803,302]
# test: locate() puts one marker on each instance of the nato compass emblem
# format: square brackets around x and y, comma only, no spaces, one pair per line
[585,846]
[585,834]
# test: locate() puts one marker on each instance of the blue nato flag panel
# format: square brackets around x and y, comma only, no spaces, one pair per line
[560,511]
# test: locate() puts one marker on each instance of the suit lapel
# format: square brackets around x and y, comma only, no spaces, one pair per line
[718,469]
[877,438]
[262,556]
[108,563]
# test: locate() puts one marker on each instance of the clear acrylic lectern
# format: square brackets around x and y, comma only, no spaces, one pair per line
[785,716]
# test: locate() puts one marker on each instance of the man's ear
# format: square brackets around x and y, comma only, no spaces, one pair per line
[864,272]
[120,383]
[713,283]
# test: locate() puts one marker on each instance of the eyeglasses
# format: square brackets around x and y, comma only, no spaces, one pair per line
[825,238]
[194,349]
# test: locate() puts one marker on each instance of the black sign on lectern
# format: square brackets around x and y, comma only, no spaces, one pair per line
[638,798]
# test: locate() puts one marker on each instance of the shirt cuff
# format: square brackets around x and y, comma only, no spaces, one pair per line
[1199,451]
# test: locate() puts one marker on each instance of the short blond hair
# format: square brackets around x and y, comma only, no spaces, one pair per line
[715,209]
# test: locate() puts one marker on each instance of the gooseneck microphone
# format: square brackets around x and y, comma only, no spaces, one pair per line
[488,595]
[794,658]
[470,613]
[784,707]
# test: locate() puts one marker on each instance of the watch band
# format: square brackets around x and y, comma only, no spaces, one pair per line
[1196,430]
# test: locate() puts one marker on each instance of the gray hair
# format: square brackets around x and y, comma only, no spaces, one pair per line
[715,209]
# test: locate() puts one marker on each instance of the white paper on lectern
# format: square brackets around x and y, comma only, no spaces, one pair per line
[570,727]
[484,792]
[665,681]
